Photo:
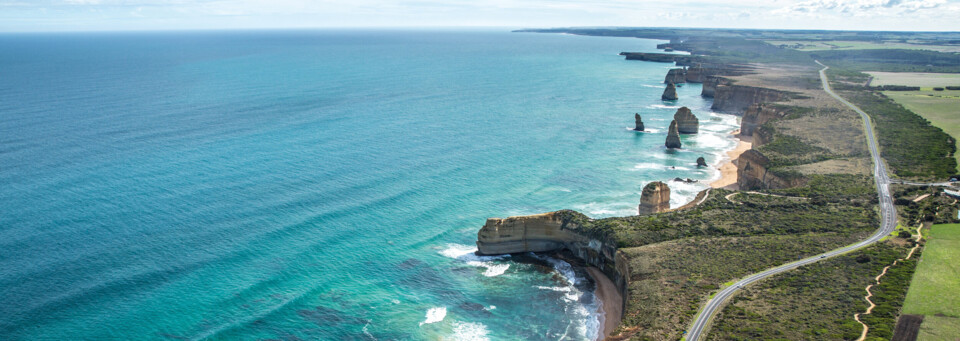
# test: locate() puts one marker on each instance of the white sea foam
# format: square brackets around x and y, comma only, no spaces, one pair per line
[492,307]
[470,331]
[467,254]
[652,86]
[661,106]
[435,315]
[560,289]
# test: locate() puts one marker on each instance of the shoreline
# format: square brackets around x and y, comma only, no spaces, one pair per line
[610,308]
[728,168]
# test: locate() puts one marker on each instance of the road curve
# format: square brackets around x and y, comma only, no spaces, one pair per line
[888,222]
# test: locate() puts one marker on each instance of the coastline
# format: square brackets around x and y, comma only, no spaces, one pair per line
[610,308]
[728,168]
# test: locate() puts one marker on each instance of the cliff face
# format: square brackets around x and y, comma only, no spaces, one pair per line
[676,76]
[752,173]
[638,122]
[755,116]
[695,74]
[655,198]
[555,231]
[710,84]
[670,93]
[737,98]
[687,123]
[673,136]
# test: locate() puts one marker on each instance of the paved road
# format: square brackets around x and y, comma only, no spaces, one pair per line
[888,223]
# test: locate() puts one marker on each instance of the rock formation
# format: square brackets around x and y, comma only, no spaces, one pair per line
[687,123]
[670,93]
[557,231]
[655,198]
[676,76]
[638,122]
[673,136]
[737,98]
[710,84]
[756,115]
[695,74]
[752,173]
[701,162]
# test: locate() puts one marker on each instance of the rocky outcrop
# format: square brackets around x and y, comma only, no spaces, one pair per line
[687,123]
[676,76]
[701,162]
[756,115]
[680,59]
[638,122]
[673,136]
[556,231]
[752,173]
[655,198]
[737,98]
[670,93]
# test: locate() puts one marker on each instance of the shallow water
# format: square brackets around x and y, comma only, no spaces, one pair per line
[316,184]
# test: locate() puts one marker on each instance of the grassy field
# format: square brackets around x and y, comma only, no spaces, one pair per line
[921,79]
[942,108]
[935,288]
[939,328]
[808,45]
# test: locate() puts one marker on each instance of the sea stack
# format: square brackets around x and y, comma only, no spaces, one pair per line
[687,123]
[638,122]
[673,137]
[655,198]
[670,93]
[701,162]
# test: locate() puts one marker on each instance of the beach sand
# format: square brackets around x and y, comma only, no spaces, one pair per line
[728,170]
[612,303]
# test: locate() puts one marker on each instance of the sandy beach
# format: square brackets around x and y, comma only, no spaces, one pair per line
[728,170]
[612,303]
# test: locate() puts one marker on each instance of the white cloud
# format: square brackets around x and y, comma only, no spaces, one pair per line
[861,7]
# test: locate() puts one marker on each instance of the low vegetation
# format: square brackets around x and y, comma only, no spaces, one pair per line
[818,301]
[667,291]
[910,145]
[939,107]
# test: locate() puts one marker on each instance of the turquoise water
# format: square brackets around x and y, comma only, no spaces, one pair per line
[317,184]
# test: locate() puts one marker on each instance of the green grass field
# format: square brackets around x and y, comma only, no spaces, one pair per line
[812,45]
[935,288]
[942,108]
[939,328]
[921,79]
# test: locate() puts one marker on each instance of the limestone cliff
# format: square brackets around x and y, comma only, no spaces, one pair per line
[676,76]
[752,173]
[756,115]
[670,93]
[638,122]
[737,98]
[710,84]
[687,123]
[673,136]
[655,198]
[695,74]
[556,231]
[701,162]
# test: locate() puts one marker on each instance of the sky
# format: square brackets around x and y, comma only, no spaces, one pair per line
[126,15]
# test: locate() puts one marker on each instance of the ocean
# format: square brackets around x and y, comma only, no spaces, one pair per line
[317,185]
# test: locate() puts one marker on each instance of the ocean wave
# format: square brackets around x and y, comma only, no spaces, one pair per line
[470,331]
[560,289]
[467,254]
[435,315]
[652,86]
[661,106]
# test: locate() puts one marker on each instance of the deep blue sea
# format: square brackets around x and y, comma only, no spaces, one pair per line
[316,185]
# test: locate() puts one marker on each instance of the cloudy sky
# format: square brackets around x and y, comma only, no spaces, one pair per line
[68,15]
